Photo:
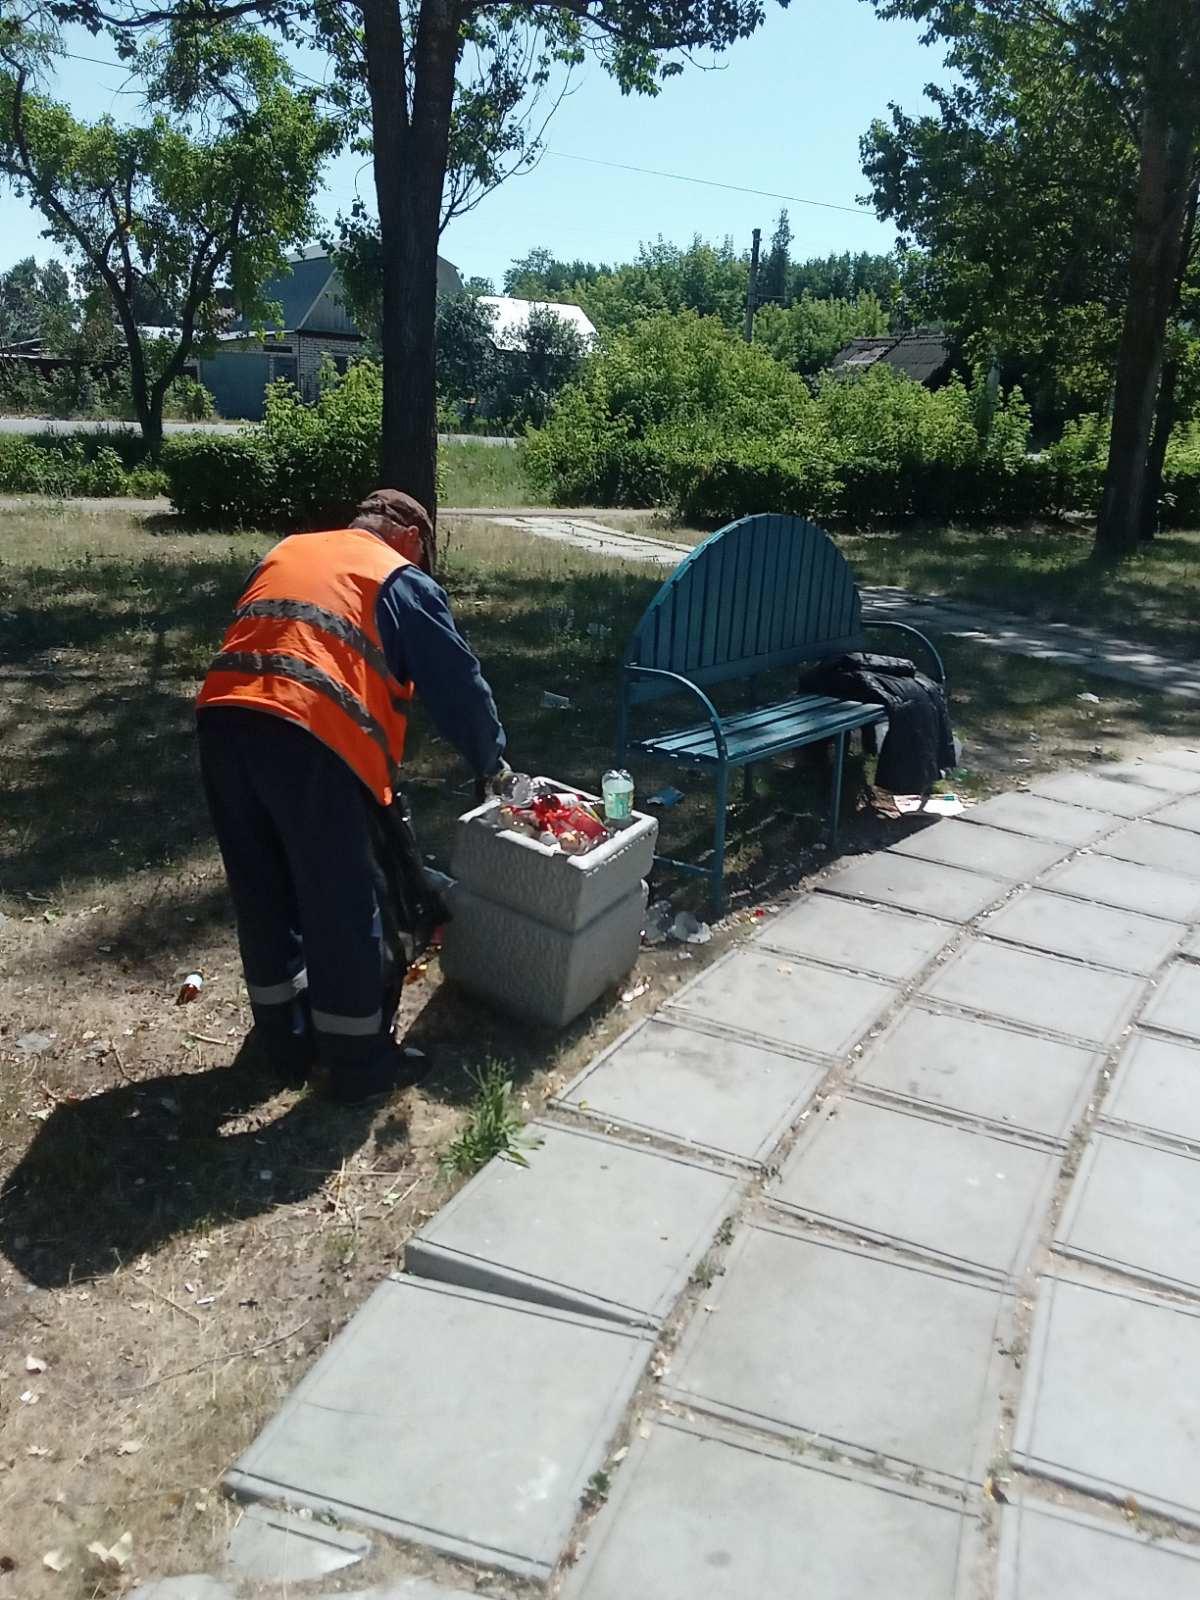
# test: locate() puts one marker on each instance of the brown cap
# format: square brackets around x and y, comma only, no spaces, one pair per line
[400,510]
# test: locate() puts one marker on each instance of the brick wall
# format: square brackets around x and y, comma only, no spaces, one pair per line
[312,351]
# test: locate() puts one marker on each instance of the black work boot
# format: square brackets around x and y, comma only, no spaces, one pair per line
[390,1069]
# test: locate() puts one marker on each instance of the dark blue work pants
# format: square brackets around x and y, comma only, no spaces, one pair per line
[291,822]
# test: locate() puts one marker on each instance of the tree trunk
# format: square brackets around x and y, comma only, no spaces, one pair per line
[1163,184]
[410,151]
[1164,421]
[147,400]
[1168,385]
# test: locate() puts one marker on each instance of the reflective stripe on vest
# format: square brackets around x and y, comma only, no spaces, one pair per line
[304,611]
[304,644]
[254,663]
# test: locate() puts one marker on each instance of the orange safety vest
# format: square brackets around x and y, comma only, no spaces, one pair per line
[305,645]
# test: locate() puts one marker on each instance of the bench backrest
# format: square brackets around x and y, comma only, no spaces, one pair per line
[765,592]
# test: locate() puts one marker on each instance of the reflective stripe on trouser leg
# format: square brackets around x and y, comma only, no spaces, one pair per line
[348,1027]
[277,994]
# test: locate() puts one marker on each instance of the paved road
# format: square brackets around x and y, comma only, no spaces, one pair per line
[42,425]
[877,1238]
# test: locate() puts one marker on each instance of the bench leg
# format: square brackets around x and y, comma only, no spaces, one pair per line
[839,759]
[718,863]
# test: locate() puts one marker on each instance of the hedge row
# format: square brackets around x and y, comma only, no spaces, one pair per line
[679,412]
[85,465]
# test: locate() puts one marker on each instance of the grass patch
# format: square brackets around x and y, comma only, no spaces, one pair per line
[483,475]
[493,1126]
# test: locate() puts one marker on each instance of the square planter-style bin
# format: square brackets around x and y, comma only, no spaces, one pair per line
[560,891]
[537,972]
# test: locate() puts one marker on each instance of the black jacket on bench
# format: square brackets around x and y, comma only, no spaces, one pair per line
[919,745]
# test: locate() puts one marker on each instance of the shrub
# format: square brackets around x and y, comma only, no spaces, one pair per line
[27,468]
[655,396]
[303,466]
[23,392]
[189,401]
[79,465]
[219,477]
[103,475]
[679,410]
[1075,465]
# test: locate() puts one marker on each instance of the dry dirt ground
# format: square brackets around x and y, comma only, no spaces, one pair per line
[179,1239]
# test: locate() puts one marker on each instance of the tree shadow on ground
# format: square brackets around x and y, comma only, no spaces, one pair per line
[100,665]
[109,1178]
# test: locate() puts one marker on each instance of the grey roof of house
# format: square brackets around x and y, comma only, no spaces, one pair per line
[302,291]
[921,355]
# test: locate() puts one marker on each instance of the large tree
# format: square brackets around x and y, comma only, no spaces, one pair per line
[36,303]
[1052,188]
[207,191]
[446,115]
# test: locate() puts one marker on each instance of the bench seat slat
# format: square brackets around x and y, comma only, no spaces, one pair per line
[754,735]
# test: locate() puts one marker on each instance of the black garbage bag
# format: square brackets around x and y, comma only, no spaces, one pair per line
[410,907]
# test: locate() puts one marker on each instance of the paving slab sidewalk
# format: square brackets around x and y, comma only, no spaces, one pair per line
[906,1189]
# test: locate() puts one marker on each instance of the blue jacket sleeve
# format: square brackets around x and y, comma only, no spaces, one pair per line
[421,642]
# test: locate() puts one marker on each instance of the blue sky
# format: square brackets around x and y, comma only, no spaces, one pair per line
[783,112]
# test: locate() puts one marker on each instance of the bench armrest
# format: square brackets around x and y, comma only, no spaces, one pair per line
[939,670]
[685,686]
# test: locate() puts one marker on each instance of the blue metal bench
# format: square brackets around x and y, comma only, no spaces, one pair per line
[765,593]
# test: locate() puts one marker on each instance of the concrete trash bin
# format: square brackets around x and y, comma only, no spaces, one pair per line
[562,891]
[539,933]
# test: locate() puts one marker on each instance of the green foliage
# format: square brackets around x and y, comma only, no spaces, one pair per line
[1077,461]
[540,275]
[208,192]
[466,357]
[807,334]
[681,412]
[493,1126]
[539,359]
[220,478]
[88,392]
[512,387]
[671,385]
[75,466]
[303,466]
[36,303]
[189,401]
[1019,187]
[709,279]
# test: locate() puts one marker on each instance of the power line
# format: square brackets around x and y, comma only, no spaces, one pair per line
[711,183]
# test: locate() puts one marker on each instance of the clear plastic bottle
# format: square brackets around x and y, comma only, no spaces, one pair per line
[617,789]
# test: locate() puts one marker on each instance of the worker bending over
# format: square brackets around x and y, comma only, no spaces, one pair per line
[302,720]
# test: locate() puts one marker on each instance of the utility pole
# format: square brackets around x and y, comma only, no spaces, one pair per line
[752,287]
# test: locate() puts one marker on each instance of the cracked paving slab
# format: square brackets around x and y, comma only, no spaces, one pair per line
[461,1421]
[585,1223]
